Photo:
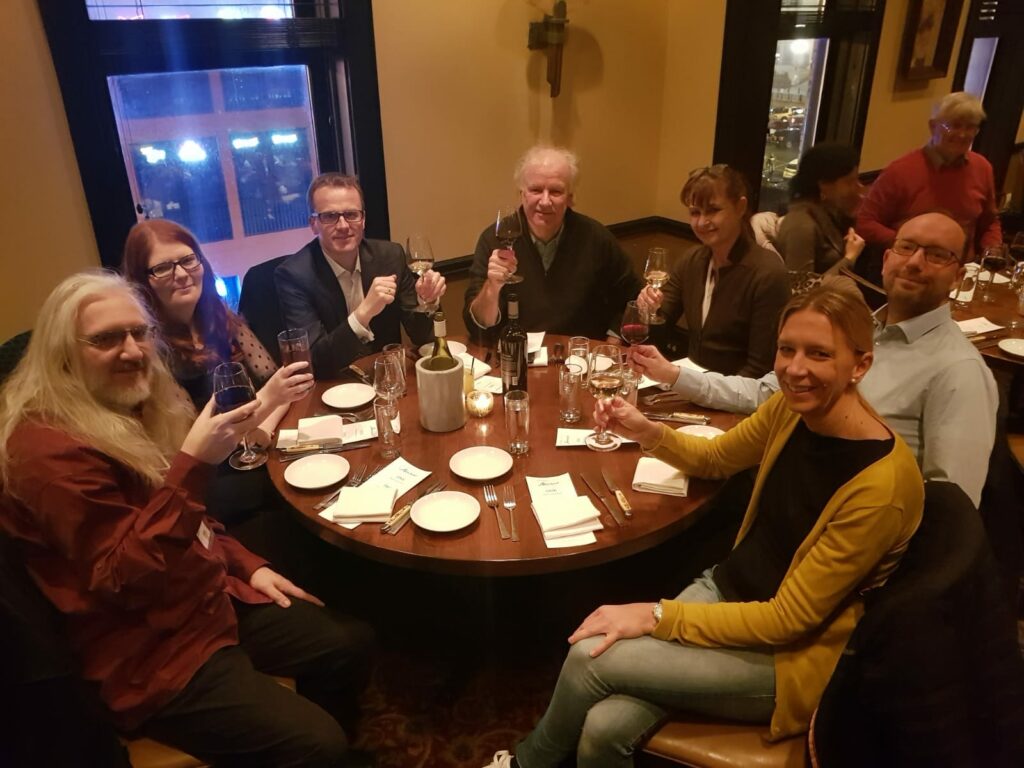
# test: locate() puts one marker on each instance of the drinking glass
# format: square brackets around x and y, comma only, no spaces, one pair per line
[570,376]
[232,388]
[993,259]
[421,259]
[388,380]
[656,275]
[1017,248]
[294,347]
[579,353]
[385,412]
[635,328]
[605,380]
[397,351]
[517,421]
[965,292]
[508,228]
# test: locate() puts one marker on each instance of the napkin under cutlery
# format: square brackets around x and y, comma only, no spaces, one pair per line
[655,476]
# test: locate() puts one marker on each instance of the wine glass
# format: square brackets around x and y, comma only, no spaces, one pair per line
[388,378]
[232,388]
[421,259]
[635,326]
[994,260]
[656,275]
[604,382]
[508,228]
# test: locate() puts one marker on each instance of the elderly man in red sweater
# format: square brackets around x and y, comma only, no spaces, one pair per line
[943,175]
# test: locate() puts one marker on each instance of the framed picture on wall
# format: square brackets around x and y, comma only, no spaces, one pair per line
[928,38]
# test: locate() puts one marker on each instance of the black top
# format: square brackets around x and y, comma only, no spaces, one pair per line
[809,470]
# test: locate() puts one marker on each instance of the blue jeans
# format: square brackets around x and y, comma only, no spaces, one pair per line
[602,708]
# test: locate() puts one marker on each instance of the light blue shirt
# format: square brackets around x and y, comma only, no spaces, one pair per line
[927,381]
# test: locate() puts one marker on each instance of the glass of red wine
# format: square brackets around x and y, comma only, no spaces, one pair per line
[635,326]
[232,388]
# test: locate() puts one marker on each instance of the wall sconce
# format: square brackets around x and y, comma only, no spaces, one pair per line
[549,36]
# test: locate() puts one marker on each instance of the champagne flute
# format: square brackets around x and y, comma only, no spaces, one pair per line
[232,388]
[656,275]
[635,326]
[421,259]
[508,228]
[388,379]
[605,381]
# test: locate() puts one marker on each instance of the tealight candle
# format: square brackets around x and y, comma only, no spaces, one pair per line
[479,403]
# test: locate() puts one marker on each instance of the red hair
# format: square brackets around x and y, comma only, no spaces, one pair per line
[217,325]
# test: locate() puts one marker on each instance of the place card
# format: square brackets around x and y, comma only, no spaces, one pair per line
[400,475]
[555,486]
[568,437]
[565,518]
[490,384]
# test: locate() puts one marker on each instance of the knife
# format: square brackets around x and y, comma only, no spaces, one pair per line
[619,495]
[616,515]
[331,449]
[686,418]
[360,373]
[327,442]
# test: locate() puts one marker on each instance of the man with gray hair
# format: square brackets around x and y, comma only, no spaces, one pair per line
[943,175]
[576,277]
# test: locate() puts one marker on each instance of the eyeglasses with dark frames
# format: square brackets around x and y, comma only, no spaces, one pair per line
[330,218]
[165,269]
[108,340]
[933,254]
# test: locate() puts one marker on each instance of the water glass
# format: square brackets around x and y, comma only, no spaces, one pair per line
[1017,277]
[397,351]
[517,421]
[388,378]
[385,412]
[570,378]
[965,292]
[630,383]
[294,347]
[579,353]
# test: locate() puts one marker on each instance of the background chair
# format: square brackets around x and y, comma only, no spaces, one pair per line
[259,306]
[11,352]
[931,675]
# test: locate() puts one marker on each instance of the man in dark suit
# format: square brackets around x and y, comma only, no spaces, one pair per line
[352,295]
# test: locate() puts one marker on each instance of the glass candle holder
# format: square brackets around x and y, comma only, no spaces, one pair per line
[479,403]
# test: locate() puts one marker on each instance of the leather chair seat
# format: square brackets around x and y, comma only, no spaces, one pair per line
[708,744]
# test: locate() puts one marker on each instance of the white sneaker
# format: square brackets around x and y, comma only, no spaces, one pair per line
[501,759]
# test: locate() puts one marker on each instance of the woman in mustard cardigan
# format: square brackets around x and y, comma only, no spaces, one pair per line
[837,497]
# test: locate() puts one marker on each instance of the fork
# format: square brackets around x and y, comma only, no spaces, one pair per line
[491,498]
[510,505]
[353,480]
[660,397]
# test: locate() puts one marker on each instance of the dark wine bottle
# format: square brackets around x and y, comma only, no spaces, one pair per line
[441,358]
[512,349]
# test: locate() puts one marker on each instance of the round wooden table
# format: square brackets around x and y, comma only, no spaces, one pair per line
[478,549]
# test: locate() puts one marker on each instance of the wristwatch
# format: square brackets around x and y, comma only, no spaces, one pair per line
[657,611]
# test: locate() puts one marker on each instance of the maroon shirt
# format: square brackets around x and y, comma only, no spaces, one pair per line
[146,602]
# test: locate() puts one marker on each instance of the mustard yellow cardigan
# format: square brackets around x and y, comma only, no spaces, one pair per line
[854,545]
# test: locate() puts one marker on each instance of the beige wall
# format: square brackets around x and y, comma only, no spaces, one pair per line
[43,215]
[898,113]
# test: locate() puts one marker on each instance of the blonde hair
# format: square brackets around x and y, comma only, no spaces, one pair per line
[48,386]
[538,153]
[959,105]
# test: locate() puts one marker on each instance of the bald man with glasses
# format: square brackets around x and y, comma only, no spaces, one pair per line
[353,295]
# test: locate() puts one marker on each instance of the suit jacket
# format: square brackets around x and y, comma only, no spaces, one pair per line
[312,299]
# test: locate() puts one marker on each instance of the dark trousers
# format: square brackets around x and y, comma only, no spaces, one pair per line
[233,713]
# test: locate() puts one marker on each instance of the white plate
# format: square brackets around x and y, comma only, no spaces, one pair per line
[348,395]
[700,430]
[445,511]
[483,462]
[455,347]
[317,471]
[1012,346]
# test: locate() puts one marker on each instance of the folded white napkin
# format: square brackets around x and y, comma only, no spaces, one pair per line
[977,325]
[321,427]
[478,366]
[534,341]
[561,517]
[654,476]
[540,358]
[363,504]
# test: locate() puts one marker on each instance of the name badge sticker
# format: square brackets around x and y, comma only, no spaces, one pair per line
[205,535]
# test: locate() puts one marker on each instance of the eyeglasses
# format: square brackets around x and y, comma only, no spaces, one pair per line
[108,340]
[970,128]
[165,269]
[330,218]
[933,254]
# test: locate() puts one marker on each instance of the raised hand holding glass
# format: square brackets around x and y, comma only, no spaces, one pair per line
[508,228]
[232,388]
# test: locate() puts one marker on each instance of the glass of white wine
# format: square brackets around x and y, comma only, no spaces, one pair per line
[605,381]
[508,228]
[421,259]
[656,275]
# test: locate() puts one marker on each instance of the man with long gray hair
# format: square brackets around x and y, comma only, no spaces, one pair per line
[103,470]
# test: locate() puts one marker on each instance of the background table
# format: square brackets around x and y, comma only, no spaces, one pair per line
[1002,312]
[478,549]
